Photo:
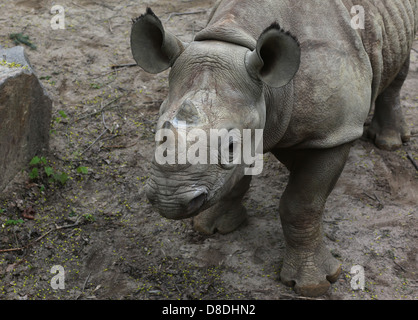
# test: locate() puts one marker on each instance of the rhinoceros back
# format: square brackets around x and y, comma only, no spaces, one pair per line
[342,69]
[390,29]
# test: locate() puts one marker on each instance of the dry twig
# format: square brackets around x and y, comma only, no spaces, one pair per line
[76,224]
[414,163]
[95,141]
[98,112]
[294,297]
[375,198]
[126,65]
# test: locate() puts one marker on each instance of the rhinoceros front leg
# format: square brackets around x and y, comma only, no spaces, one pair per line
[389,128]
[227,215]
[308,264]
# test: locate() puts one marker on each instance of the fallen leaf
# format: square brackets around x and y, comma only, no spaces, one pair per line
[29,213]
[11,267]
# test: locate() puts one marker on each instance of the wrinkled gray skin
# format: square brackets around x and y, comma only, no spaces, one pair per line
[311,100]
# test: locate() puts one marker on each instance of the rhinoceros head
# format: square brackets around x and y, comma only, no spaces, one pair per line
[216,90]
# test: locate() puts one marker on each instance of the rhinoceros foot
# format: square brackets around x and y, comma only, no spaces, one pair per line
[227,215]
[389,138]
[223,217]
[310,274]
[389,129]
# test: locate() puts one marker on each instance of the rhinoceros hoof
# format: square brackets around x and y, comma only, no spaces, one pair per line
[389,138]
[222,219]
[310,275]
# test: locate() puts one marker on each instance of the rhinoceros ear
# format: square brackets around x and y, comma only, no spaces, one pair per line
[276,58]
[153,49]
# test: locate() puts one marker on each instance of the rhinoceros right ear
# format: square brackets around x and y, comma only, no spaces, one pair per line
[276,58]
[153,49]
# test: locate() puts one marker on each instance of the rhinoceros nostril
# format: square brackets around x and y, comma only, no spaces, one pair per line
[195,204]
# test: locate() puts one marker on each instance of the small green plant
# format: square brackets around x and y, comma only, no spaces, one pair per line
[36,160]
[61,177]
[19,38]
[89,217]
[96,85]
[49,171]
[61,117]
[83,170]
[48,80]
[34,174]
[12,222]
[41,171]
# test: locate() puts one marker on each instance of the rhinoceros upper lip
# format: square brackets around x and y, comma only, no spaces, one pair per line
[169,207]
[195,204]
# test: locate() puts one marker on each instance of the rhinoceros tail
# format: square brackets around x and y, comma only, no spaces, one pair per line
[276,25]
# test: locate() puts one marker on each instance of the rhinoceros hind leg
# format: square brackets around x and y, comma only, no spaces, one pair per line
[308,265]
[388,129]
[227,215]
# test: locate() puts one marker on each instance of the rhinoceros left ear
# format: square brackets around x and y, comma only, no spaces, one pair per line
[276,58]
[152,48]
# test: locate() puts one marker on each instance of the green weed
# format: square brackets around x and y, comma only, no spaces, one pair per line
[12,222]
[19,38]
[40,170]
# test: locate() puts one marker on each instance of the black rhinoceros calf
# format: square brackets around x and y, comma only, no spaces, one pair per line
[303,72]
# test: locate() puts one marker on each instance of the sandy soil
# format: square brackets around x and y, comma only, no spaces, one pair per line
[101,229]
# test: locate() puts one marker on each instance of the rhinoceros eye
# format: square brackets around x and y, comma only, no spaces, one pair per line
[228,155]
[232,146]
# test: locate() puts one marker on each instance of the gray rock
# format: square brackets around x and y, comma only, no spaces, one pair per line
[16,55]
[25,114]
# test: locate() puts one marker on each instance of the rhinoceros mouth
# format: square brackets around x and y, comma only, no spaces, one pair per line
[194,205]
[178,207]
[191,209]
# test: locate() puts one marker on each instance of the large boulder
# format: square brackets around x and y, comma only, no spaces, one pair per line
[25,114]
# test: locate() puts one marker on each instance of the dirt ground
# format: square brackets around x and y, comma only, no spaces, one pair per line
[101,229]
